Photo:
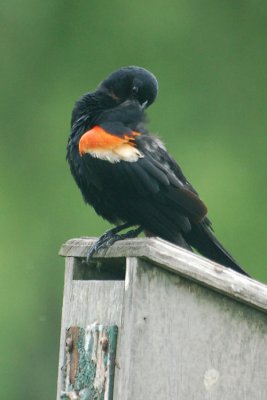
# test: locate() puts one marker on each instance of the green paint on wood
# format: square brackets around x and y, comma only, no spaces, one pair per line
[87,368]
[89,364]
[113,335]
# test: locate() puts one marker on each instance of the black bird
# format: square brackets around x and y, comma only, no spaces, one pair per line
[126,173]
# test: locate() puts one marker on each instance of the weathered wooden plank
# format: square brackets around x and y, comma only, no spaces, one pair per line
[182,262]
[86,302]
[180,340]
[92,301]
[69,270]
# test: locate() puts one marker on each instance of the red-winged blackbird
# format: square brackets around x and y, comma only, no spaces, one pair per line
[127,175]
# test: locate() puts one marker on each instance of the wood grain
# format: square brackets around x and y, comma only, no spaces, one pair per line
[88,301]
[181,262]
[180,340]
[188,328]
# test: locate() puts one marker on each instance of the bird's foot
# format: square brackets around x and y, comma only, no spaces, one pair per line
[111,236]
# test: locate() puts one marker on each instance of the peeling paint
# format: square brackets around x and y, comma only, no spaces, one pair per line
[89,365]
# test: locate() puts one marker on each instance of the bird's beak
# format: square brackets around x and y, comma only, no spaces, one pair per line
[143,106]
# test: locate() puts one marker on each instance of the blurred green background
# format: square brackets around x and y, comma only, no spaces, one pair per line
[210,58]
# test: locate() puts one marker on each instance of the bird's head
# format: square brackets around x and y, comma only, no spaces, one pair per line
[131,83]
[127,86]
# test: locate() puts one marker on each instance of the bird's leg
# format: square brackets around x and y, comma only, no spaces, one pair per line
[111,236]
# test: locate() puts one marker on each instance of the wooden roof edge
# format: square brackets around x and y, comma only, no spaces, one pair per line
[178,261]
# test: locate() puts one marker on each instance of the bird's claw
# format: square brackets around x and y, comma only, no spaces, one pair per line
[104,242]
[110,237]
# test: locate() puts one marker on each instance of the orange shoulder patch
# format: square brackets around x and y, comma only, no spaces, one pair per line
[103,145]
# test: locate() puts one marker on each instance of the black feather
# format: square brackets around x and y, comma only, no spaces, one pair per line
[150,191]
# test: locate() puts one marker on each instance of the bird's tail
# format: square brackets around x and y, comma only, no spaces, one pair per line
[203,240]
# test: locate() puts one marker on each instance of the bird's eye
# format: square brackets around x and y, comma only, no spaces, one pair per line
[134,90]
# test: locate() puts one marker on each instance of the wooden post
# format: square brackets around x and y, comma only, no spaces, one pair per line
[187,328]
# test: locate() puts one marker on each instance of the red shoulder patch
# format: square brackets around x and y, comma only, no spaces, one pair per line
[101,144]
[98,138]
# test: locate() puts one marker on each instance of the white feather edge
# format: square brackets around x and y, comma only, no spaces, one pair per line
[123,152]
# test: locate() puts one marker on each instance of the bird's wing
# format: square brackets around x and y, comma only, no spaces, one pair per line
[159,165]
[147,165]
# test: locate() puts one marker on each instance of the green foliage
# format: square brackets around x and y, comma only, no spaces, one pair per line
[210,59]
